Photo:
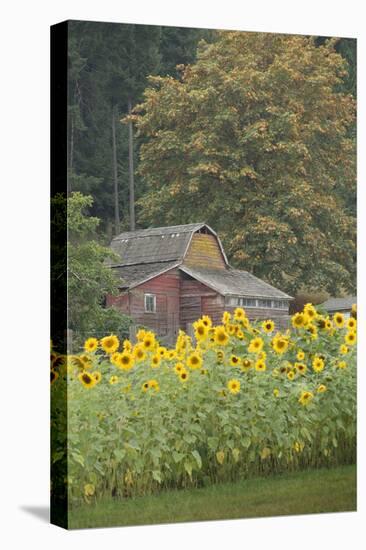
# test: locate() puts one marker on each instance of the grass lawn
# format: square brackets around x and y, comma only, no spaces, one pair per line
[307,492]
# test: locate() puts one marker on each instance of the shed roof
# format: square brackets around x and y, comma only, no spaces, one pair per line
[130,276]
[336,304]
[234,282]
[157,244]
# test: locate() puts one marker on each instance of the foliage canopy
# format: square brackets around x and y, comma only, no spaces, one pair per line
[256,137]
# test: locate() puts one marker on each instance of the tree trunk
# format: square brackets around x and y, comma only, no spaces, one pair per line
[130,170]
[115,172]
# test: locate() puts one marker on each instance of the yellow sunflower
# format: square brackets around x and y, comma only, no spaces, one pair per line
[97,375]
[148,341]
[194,361]
[113,380]
[301,368]
[87,380]
[318,364]
[300,355]
[342,365]
[126,345]
[110,344]
[162,351]
[183,376]
[298,320]
[240,335]
[234,361]
[139,353]
[268,326]
[351,323]
[246,364]
[239,314]
[140,335]
[291,375]
[305,397]
[155,360]
[206,320]
[343,349]
[280,344]
[153,384]
[201,331]
[260,365]
[350,338]
[233,386]
[276,392]
[220,356]
[125,360]
[338,319]
[221,336]
[321,388]
[91,344]
[310,311]
[255,345]
[179,367]
[226,316]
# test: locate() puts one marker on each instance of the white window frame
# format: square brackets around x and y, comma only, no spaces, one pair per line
[238,301]
[153,296]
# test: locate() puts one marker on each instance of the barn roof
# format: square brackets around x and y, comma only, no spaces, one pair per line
[336,304]
[130,276]
[235,282]
[158,244]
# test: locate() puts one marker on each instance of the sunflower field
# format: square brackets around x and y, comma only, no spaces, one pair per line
[242,399]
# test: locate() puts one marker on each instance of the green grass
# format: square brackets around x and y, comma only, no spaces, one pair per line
[307,492]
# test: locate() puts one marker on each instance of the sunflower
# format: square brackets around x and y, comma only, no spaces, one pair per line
[87,380]
[231,329]
[140,335]
[260,365]
[240,335]
[97,375]
[206,320]
[301,368]
[351,323]
[139,353]
[201,331]
[155,360]
[126,345]
[183,376]
[313,331]
[276,392]
[220,356]
[328,324]
[77,362]
[221,336]
[338,319]
[145,387]
[179,367]
[255,345]
[91,344]
[239,314]
[343,349]
[234,360]
[60,361]
[110,344]
[280,344]
[299,320]
[86,361]
[291,375]
[321,322]
[226,316]
[194,361]
[321,388]
[153,384]
[310,311]
[318,364]
[246,364]
[268,326]
[350,338]
[125,360]
[354,311]
[89,489]
[113,380]
[162,351]
[233,386]
[148,341]
[305,397]
[54,376]
[300,355]
[171,354]
[342,365]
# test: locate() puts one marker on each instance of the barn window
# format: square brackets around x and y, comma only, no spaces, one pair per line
[150,303]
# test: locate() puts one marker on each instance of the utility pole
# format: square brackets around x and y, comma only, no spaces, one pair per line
[115,172]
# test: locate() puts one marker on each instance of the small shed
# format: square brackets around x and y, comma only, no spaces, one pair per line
[170,276]
[343,305]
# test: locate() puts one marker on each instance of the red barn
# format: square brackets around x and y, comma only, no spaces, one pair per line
[169,276]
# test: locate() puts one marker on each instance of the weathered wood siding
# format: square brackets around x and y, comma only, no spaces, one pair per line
[280,317]
[165,320]
[204,251]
